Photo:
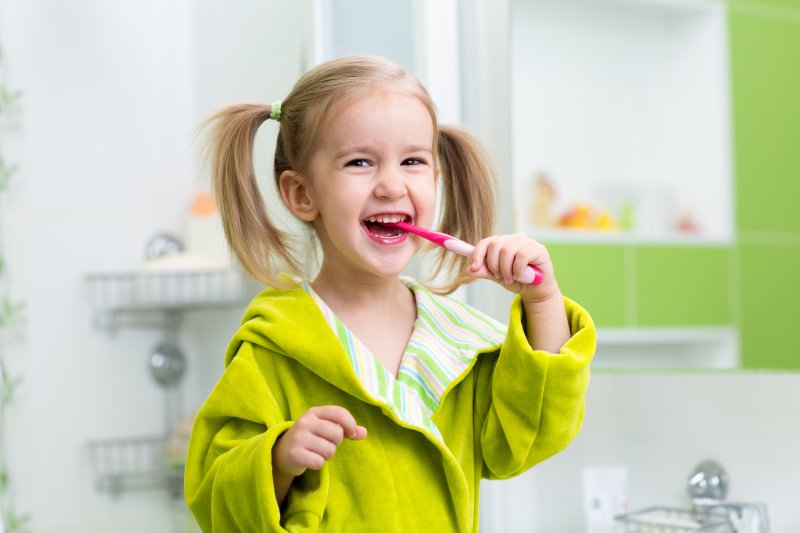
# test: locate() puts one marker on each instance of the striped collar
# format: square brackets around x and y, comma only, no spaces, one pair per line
[447,334]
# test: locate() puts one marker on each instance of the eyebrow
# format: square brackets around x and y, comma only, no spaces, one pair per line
[361,148]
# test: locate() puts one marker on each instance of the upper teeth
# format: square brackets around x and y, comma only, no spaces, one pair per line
[385,218]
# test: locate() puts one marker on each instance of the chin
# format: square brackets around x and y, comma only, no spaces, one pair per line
[396,268]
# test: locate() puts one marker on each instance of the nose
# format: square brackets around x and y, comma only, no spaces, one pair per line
[390,184]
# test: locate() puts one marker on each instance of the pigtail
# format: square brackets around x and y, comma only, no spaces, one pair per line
[261,247]
[468,198]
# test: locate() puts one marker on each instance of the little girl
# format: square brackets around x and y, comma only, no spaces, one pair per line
[361,400]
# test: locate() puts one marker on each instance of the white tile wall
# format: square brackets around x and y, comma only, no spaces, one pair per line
[659,426]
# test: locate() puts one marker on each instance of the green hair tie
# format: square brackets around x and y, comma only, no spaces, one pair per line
[275,110]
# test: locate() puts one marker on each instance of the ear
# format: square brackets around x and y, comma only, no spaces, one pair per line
[297,196]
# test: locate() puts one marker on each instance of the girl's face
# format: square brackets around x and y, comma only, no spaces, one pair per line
[374,161]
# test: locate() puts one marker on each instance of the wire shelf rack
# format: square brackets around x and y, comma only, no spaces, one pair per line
[157,301]
[144,298]
[136,463]
[672,520]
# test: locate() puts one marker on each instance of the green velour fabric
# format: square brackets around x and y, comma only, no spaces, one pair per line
[512,408]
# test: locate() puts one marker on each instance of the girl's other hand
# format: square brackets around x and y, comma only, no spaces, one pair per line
[313,439]
[503,258]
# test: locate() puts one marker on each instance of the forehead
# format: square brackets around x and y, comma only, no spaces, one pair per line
[380,112]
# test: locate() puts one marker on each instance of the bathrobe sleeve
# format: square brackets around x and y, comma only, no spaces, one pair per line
[530,403]
[228,480]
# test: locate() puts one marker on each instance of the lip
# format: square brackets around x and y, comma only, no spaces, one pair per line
[385,241]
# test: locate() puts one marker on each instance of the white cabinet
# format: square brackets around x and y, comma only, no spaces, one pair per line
[623,104]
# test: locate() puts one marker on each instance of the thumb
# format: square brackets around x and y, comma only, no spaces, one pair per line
[359,434]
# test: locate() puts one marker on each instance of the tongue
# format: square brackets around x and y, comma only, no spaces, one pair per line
[379,230]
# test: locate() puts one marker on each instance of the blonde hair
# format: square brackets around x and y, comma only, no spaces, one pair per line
[468,196]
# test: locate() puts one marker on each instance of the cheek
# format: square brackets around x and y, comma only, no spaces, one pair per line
[426,202]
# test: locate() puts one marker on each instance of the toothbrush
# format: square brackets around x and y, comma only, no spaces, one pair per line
[530,276]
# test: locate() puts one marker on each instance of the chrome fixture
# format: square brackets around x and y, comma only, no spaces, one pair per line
[708,486]
[708,480]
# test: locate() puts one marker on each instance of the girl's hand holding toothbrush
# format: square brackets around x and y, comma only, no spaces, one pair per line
[503,258]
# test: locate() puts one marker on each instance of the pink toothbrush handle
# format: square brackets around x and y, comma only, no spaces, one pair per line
[530,276]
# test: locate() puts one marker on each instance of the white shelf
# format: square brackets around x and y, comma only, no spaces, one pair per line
[602,237]
[667,347]
[662,335]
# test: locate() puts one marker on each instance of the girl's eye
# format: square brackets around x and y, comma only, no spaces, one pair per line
[358,163]
[413,161]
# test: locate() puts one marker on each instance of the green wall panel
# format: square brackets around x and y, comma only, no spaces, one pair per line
[594,276]
[770,301]
[760,6]
[683,286]
[765,75]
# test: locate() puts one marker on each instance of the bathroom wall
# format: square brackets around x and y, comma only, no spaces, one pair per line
[112,95]
[659,426]
[106,127]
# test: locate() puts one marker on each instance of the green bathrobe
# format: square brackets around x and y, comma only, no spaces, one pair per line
[510,408]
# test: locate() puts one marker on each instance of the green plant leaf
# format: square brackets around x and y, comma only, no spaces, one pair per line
[6,173]
[16,523]
[10,312]
[9,100]
[10,389]
[8,385]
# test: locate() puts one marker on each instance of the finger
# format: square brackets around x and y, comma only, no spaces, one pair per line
[492,258]
[330,431]
[482,269]
[338,415]
[477,264]
[506,258]
[535,255]
[482,272]
[519,256]
[309,459]
[521,261]
[322,447]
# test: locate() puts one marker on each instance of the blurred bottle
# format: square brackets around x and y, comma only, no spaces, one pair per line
[543,201]
[205,237]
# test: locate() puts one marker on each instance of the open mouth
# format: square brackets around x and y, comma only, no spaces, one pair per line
[377,228]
